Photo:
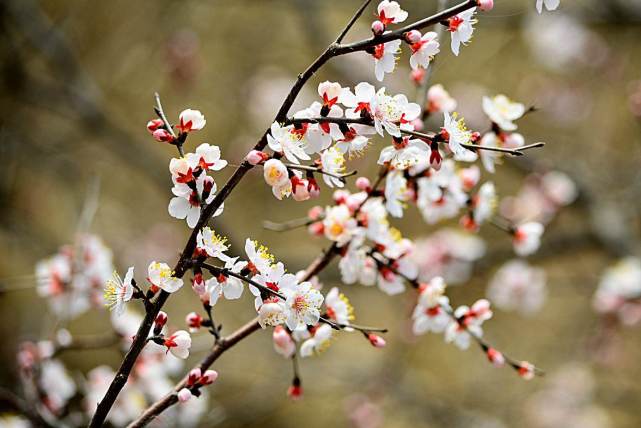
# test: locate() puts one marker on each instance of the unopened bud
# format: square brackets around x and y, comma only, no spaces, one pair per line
[194,321]
[363,183]
[194,376]
[377,28]
[413,36]
[209,377]
[495,357]
[376,340]
[159,322]
[162,135]
[255,157]
[154,124]
[184,395]
[485,5]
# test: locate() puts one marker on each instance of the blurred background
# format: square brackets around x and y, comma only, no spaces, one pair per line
[77,89]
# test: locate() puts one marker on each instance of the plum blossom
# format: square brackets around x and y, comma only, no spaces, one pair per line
[393,113]
[549,5]
[619,290]
[260,260]
[191,120]
[527,238]
[360,101]
[518,286]
[318,136]
[190,196]
[338,307]
[503,111]
[118,291]
[226,285]
[424,50]
[212,243]
[468,323]
[332,162]
[160,275]
[283,342]
[206,157]
[178,344]
[396,193]
[390,12]
[318,342]
[56,384]
[461,27]
[302,305]
[272,313]
[404,153]
[285,139]
[275,173]
[385,58]
[338,224]
[457,133]
[431,311]
[439,100]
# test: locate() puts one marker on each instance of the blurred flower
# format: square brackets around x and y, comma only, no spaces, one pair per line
[518,286]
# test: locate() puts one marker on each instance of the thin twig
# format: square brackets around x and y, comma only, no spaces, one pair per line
[288,225]
[352,21]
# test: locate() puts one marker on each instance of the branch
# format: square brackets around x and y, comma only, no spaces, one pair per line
[352,21]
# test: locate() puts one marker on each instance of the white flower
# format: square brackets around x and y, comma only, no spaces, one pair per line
[338,307]
[302,305]
[503,111]
[226,285]
[275,173]
[188,202]
[354,141]
[272,313]
[178,344]
[431,292]
[333,162]
[283,342]
[518,286]
[161,276]
[360,101]
[390,12]
[424,50]
[330,93]
[318,342]
[461,29]
[439,100]
[432,318]
[56,384]
[338,224]
[318,136]
[285,139]
[191,120]
[118,292]
[549,5]
[457,132]
[260,260]
[484,203]
[393,113]
[405,154]
[559,188]
[395,193]
[619,287]
[527,238]
[355,266]
[459,335]
[385,58]
[206,157]
[213,244]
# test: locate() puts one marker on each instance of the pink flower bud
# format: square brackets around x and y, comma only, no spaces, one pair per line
[313,188]
[161,319]
[295,391]
[376,340]
[485,5]
[526,370]
[255,157]
[316,228]
[162,135]
[417,124]
[194,321]
[418,75]
[184,395]
[194,376]
[377,28]
[353,203]
[154,124]
[495,357]
[363,183]
[413,36]
[315,212]
[209,377]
